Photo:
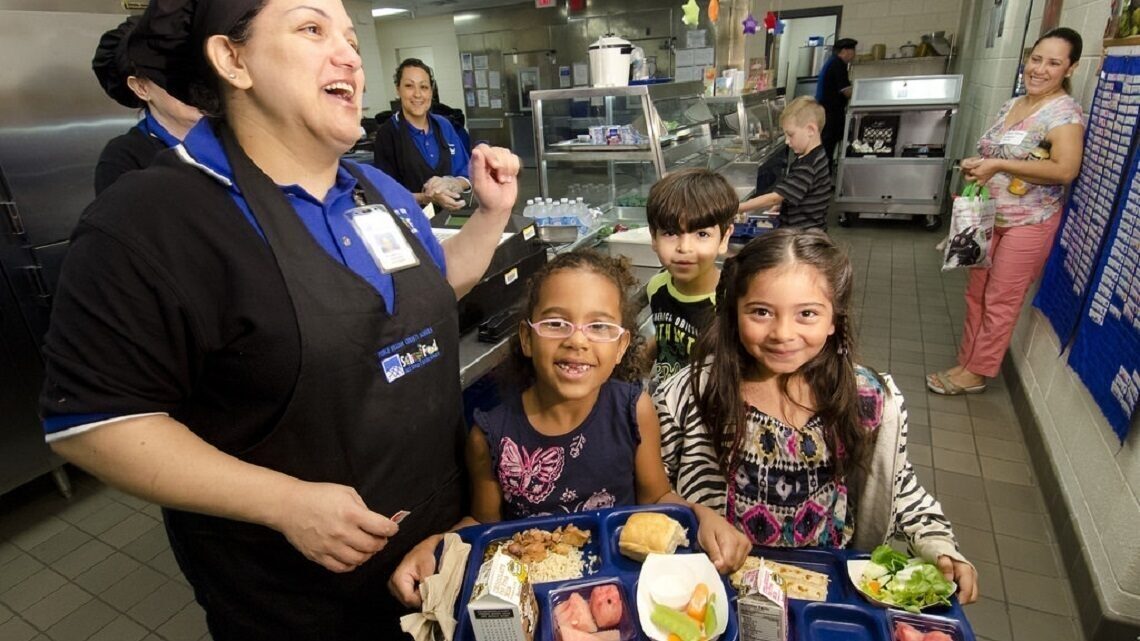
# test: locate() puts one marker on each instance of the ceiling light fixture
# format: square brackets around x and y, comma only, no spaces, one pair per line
[387,11]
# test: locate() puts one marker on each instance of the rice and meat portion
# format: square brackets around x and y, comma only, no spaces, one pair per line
[549,556]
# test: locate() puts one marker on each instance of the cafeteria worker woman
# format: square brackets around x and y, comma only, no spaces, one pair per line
[165,119]
[420,149]
[230,341]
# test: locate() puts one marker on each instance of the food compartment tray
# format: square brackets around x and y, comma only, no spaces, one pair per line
[819,560]
[613,522]
[605,528]
[840,622]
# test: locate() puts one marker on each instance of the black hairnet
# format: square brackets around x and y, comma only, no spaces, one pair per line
[845,43]
[167,45]
[112,66]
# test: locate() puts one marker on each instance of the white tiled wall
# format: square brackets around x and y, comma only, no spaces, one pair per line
[890,22]
[437,32]
[1100,478]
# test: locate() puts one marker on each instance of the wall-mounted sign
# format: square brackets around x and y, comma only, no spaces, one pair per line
[545,4]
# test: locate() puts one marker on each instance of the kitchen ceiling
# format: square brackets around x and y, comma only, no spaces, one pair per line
[424,8]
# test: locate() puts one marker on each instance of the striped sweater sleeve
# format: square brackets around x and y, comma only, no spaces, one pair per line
[918,517]
[686,447]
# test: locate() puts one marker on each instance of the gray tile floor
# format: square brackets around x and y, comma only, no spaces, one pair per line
[98,567]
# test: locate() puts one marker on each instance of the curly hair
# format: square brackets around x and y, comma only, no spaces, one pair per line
[634,365]
[720,360]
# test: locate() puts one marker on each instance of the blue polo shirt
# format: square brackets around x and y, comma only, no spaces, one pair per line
[324,217]
[429,148]
[152,127]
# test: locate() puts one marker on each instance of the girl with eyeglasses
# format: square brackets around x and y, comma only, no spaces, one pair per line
[582,434]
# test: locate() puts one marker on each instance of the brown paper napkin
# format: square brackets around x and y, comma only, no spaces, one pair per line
[439,593]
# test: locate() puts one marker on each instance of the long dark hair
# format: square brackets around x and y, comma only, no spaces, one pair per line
[1076,46]
[635,363]
[719,360]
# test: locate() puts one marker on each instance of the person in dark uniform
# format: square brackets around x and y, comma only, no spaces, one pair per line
[420,149]
[248,358]
[833,90]
[165,119]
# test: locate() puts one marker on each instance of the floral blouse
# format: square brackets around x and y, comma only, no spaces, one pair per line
[784,492]
[1015,142]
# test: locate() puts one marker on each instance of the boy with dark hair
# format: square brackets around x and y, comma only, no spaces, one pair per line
[690,216]
[804,193]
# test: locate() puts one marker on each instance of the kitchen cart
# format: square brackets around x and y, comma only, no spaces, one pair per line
[892,161]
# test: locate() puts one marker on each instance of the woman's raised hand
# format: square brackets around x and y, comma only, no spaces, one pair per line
[331,526]
[493,177]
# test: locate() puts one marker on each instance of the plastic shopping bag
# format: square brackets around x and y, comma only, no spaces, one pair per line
[971,229]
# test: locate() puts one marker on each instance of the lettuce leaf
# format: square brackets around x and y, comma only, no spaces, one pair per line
[921,586]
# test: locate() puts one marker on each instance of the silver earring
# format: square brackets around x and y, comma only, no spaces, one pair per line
[233,75]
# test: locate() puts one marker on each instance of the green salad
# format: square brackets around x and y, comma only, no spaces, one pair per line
[910,584]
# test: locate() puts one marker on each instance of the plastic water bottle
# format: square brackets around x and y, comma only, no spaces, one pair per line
[528,211]
[582,211]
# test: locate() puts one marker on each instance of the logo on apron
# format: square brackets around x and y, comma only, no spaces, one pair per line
[409,354]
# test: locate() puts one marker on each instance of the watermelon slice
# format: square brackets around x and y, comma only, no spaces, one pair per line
[574,614]
[605,605]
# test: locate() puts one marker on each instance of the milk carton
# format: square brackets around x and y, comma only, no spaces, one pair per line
[502,605]
[762,607]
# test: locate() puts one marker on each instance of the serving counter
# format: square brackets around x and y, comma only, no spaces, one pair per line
[611,144]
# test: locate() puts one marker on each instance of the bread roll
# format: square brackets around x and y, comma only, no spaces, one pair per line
[647,532]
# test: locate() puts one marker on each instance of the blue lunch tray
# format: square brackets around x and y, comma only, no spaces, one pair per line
[846,615]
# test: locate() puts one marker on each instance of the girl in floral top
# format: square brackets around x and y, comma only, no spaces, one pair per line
[1027,216]
[777,428]
[581,435]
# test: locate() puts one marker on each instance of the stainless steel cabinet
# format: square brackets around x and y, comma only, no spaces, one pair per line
[893,163]
[54,120]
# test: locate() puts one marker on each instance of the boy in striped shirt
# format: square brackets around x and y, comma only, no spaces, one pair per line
[803,194]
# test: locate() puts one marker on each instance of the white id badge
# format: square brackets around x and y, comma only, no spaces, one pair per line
[1013,137]
[382,238]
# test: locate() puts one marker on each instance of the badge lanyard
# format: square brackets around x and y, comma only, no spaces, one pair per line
[378,229]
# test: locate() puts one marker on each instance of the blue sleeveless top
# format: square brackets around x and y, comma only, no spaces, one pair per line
[589,468]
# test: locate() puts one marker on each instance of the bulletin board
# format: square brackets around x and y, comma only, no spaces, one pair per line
[1087,290]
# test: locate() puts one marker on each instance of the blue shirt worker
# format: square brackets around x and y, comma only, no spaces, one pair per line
[233,340]
[419,149]
[832,91]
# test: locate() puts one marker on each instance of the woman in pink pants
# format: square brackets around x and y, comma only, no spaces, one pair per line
[1030,194]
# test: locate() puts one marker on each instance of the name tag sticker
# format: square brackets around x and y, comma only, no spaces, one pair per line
[382,238]
[511,276]
[528,232]
[1013,137]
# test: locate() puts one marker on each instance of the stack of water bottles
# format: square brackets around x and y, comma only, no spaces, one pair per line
[561,212]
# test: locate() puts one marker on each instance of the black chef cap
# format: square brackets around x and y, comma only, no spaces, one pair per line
[167,46]
[845,43]
[112,65]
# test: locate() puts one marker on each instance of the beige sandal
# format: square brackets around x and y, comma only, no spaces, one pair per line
[940,383]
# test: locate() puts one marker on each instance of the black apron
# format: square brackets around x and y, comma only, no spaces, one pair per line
[398,442]
[413,169]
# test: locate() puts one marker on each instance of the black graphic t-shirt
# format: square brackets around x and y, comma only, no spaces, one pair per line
[677,322]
